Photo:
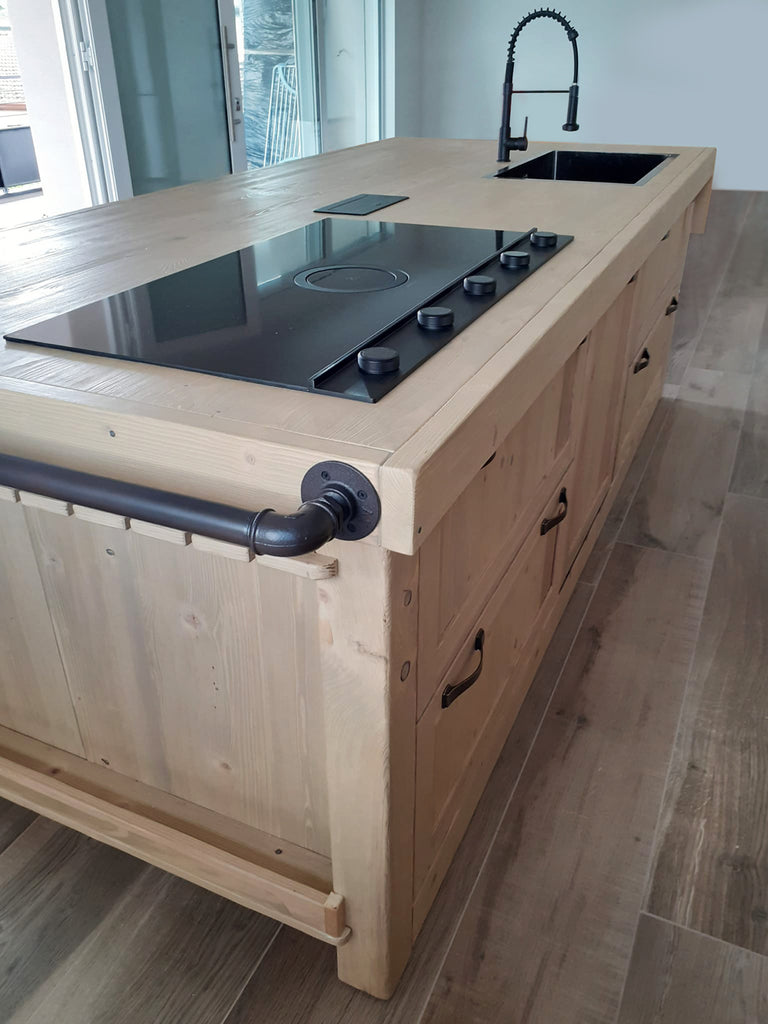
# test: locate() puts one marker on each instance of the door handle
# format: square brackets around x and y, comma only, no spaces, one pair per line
[642,362]
[673,305]
[550,524]
[454,690]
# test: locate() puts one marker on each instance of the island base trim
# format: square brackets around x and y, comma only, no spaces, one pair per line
[310,910]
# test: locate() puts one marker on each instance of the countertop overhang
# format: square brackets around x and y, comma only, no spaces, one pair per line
[244,443]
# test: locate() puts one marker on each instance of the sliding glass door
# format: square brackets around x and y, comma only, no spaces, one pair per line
[175,91]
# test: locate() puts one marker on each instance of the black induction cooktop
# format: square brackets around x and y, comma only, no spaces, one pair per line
[338,307]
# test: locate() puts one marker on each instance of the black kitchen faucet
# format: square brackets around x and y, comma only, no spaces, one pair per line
[506,141]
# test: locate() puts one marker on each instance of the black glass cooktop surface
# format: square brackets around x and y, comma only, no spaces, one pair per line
[298,310]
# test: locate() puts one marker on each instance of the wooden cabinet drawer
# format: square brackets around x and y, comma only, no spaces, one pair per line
[457,745]
[664,263]
[645,377]
[464,557]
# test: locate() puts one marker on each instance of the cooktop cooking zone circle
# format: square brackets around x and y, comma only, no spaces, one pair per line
[350,279]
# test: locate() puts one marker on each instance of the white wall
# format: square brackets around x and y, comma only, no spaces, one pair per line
[52,115]
[659,72]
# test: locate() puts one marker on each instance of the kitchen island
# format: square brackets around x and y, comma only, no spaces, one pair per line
[278,729]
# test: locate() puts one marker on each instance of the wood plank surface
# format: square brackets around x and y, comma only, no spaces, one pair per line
[197,677]
[708,258]
[34,693]
[297,980]
[711,865]
[90,926]
[548,932]
[750,473]
[13,821]
[680,977]
[680,503]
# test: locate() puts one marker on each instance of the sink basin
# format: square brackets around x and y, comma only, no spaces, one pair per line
[580,165]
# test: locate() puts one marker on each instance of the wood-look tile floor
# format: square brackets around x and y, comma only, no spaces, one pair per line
[616,869]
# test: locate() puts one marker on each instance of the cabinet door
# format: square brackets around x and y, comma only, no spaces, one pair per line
[600,401]
[460,734]
[464,558]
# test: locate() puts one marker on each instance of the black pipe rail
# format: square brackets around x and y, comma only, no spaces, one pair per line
[338,501]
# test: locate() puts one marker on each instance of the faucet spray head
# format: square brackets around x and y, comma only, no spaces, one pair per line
[571,125]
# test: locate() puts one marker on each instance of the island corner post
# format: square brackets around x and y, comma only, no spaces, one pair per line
[309,735]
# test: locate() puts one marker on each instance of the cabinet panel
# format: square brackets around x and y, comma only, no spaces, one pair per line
[463,559]
[457,745]
[645,377]
[664,263]
[34,696]
[192,672]
[600,400]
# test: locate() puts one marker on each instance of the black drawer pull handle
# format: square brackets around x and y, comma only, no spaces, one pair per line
[643,361]
[454,690]
[673,305]
[549,524]
[665,237]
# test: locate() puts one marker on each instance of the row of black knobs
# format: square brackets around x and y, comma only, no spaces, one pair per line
[381,359]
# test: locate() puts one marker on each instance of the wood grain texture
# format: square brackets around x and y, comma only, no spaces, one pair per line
[34,695]
[548,932]
[679,505]
[297,980]
[197,677]
[13,821]
[711,865]
[750,472]
[681,977]
[708,258]
[90,927]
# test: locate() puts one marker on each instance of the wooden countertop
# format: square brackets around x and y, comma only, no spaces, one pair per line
[251,444]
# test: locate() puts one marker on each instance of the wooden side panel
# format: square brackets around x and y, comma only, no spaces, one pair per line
[466,555]
[192,673]
[598,422]
[34,697]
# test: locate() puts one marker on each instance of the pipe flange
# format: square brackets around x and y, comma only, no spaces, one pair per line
[329,476]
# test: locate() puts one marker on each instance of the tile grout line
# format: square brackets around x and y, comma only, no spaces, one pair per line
[667,551]
[686,690]
[503,814]
[716,290]
[251,974]
[703,935]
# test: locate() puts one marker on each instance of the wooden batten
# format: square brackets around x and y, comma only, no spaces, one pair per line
[103,817]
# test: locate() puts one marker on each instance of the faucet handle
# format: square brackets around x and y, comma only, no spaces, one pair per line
[520,141]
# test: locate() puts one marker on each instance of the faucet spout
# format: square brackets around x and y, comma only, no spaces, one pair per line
[507,142]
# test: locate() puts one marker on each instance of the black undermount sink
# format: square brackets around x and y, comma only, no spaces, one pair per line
[580,165]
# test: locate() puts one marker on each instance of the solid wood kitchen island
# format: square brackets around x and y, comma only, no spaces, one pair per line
[274,729]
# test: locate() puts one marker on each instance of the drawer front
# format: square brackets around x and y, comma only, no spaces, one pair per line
[664,263]
[465,556]
[457,745]
[645,377]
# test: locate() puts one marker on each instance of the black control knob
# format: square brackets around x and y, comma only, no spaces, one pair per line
[378,360]
[479,284]
[543,239]
[515,258]
[435,317]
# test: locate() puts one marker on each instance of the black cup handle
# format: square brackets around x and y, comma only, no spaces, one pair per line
[550,524]
[454,690]
[643,361]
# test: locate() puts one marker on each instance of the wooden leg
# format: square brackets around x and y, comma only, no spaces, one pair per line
[368,657]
